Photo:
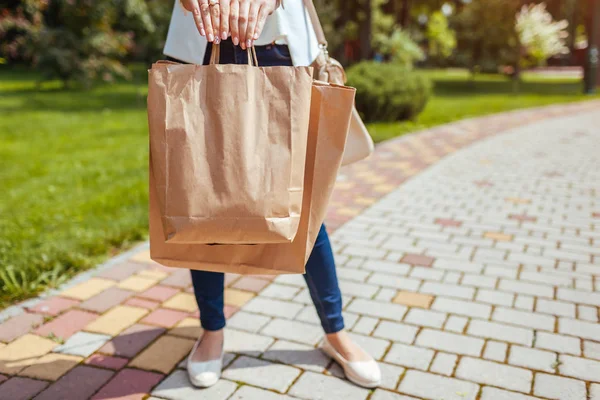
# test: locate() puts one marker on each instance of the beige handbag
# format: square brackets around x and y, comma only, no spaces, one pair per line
[359,144]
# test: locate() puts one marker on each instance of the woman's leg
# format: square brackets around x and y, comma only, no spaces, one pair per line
[208,289]
[321,278]
[323,285]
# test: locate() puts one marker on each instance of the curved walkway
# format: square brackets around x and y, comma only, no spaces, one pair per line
[478,278]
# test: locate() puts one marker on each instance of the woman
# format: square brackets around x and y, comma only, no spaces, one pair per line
[281,36]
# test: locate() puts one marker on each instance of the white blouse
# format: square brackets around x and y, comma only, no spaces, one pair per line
[289,25]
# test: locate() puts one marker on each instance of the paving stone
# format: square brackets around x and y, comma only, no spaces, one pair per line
[252,393]
[380,394]
[182,302]
[558,308]
[386,267]
[429,318]
[524,302]
[79,383]
[426,273]
[165,318]
[177,386]
[524,318]
[374,346]
[395,282]
[365,325]
[129,384]
[153,274]
[82,344]
[461,307]
[299,355]
[495,351]
[590,350]
[262,373]
[23,352]
[494,330]
[413,299]
[444,363]
[456,324]
[106,300]
[281,292]
[116,320]
[246,343]
[246,321]
[583,329]
[559,343]
[250,284]
[580,368]
[163,355]
[18,326]
[409,356]
[491,373]
[292,279]
[3,378]
[352,274]
[358,289]
[526,288]
[53,306]
[293,330]
[460,266]
[390,375]
[396,332]
[446,289]
[131,341]
[312,386]
[385,295]
[87,289]
[309,314]
[272,307]
[51,366]
[159,293]
[121,271]
[417,259]
[495,297]
[434,387]
[109,362]
[378,309]
[559,388]
[588,313]
[66,324]
[18,388]
[480,281]
[532,358]
[490,393]
[594,391]
[450,342]
[138,283]
[142,303]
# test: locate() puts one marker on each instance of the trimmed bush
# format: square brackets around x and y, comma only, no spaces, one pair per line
[388,92]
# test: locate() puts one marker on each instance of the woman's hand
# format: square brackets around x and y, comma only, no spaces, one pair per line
[243,19]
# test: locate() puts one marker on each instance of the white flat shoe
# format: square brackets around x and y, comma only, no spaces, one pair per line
[362,373]
[204,374]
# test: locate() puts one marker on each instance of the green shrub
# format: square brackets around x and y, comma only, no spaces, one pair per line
[388,92]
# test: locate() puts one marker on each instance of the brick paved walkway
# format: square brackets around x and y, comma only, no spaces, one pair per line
[478,278]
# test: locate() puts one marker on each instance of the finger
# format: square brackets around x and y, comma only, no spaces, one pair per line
[234,13]
[215,17]
[243,21]
[193,6]
[206,19]
[224,19]
[260,23]
[252,17]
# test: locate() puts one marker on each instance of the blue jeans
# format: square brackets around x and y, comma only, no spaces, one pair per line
[320,276]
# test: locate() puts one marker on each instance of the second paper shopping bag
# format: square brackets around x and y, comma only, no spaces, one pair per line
[228,146]
[331,107]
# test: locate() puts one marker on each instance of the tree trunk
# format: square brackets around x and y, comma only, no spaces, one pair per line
[404,14]
[365,30]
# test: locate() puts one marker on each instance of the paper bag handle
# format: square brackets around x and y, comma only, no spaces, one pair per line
[215,55]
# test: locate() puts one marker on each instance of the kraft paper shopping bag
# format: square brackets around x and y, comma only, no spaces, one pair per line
[330,111]
[228,146]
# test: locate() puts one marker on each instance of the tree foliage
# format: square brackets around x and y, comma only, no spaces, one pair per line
[540,36]
[440,37]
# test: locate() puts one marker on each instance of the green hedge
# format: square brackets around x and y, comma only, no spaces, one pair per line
[388,92]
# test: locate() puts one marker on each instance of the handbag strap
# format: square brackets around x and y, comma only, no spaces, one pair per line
[316,23]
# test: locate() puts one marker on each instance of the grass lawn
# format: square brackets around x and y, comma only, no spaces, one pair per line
[74,165]
[456,97]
